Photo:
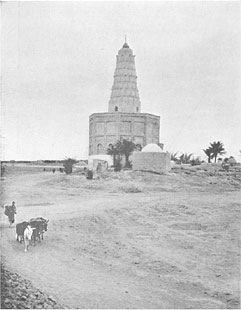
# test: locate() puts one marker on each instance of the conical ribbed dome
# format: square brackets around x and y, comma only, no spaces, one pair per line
[124,95]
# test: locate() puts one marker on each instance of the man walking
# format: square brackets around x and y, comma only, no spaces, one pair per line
[10,211]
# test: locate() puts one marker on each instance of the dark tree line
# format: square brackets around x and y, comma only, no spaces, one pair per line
[213,151]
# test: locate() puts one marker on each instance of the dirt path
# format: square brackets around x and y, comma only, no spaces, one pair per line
[110,249]
[55,267]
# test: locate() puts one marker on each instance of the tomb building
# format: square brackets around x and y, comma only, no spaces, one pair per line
[151,159]
[124,119]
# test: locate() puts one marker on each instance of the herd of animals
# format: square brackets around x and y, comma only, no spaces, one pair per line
[31,231]
[27,232]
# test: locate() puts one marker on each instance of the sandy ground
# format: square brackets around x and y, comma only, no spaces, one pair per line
[129,240]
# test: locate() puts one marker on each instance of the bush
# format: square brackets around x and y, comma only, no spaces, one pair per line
[68,165]
[231,161]
[89,174]
[131,189]
[195,161]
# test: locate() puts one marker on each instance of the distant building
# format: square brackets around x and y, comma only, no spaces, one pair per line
[124,119]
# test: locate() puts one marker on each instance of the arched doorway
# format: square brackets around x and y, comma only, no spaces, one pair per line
[99,148]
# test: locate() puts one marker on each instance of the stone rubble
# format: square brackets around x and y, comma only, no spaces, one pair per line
[19,293]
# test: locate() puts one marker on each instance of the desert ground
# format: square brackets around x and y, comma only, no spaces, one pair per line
[125,240]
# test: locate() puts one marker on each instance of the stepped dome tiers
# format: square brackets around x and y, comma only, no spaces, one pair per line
[124,95]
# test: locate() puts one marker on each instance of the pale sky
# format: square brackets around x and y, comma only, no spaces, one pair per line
[58,61]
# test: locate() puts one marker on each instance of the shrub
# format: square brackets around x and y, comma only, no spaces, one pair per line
[89,174]
[68,165]
[131,189]
[195,161]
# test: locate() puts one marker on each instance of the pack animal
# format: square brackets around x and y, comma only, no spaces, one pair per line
[27,236]
[40,225]
[20,227]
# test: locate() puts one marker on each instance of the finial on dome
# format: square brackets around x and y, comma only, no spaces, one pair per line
[125,44]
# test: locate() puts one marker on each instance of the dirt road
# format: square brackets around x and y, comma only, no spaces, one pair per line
[131,240]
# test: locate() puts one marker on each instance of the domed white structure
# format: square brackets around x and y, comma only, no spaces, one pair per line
[151,159]
[152,148]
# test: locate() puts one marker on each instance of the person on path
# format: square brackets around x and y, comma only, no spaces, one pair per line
[10,211]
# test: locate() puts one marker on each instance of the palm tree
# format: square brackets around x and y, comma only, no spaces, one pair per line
[174,157]
[185,158]
[126,149]
[217,149]
[114,151]
[123,147]
[209,154]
